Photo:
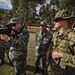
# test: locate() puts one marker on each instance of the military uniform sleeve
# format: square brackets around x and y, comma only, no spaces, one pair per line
[50,38]
[27,37]
[70,58]
[24,37]
[36,36]
[72,43]
[49,52]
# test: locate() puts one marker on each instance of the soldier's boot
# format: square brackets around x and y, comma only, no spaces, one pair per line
[36,70]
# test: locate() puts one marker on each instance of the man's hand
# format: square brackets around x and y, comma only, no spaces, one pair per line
[47,55]
[4,37]
[57,55]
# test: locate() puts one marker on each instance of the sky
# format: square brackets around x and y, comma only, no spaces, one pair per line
[5,4]
[47,1]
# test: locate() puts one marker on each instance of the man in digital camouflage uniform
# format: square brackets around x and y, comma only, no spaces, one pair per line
[4,46]
[17,52]
[43,39]
[63,62]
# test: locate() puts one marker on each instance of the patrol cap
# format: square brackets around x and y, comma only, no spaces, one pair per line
[14,20]
[43,23]
[62,15]
[1,17]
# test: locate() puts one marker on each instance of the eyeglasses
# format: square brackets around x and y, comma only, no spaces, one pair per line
[57,20]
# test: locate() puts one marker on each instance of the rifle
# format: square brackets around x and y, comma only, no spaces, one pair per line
[7,29]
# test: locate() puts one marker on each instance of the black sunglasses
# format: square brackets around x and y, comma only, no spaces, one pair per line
[57,20]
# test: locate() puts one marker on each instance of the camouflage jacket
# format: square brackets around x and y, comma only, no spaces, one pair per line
[20,41]
[3,43]
[43,41]
[65,43]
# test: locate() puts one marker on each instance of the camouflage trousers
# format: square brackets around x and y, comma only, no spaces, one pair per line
[4,50]
[19,61]
[57,70]
[2,53]
[44,65]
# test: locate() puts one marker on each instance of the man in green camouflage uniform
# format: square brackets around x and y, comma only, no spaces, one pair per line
[63,62]
[43,39]
[17,52]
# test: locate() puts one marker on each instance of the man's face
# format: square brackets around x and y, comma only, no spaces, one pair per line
[42,28]
[58,24]
[17,26]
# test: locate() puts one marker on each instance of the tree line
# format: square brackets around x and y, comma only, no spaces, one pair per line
[26,10]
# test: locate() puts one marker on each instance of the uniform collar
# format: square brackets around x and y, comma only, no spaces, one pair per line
[63,34]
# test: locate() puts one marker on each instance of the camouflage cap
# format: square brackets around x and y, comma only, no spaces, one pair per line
[14,20]
[43,23]
[1,17]
[62,15]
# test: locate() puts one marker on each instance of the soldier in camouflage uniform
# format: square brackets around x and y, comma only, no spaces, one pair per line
[2,50]
[17,52]
[4,47]
[43,39]
[63,62]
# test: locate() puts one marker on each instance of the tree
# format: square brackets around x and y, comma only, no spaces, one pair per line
[25,9]
[68,5]
[15,6]
[7,16]
[45,12]
[55,4]
[48,11]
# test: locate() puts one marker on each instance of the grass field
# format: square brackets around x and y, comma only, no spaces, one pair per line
[6,69]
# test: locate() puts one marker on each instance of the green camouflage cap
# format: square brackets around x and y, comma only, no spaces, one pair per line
[43,23]
[14,20]
[62,15]
[1,17]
